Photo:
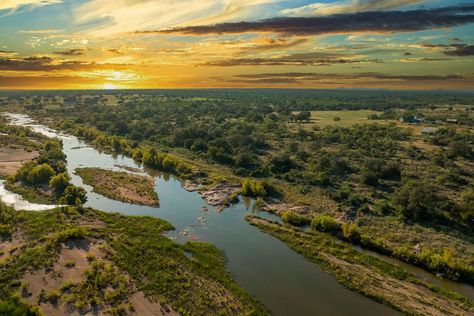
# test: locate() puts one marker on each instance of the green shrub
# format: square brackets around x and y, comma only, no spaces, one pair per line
[90,257]
[233,198]
[253,188]
[74,195]
[294,218]
[325,223]
[54,297]
[350,232]
[59,183]
[15,307]
[70,264]
[259,203]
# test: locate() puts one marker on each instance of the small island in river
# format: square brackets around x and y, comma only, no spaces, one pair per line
[121,186]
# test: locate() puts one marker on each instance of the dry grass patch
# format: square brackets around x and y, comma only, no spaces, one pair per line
[11,159]
[121,186]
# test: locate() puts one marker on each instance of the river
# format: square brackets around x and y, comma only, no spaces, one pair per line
[280,278]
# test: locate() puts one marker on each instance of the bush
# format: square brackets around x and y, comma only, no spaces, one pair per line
[233,198]
[253,188]
[370,178]
[15,307]
[74,195]
[350,232]
[59,183]
[325,223]
[41,174]
[294,218]
[70,264]
[259,203]
[54,297]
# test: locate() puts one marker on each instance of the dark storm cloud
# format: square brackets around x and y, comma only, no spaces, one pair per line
[275,44]
[341,76]
[462,50]
[39,64]
[71,52]
[376,21]
[307,59]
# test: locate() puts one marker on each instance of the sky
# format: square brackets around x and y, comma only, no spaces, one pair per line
[134,44]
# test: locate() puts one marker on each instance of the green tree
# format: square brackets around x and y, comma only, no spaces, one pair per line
[416,200]
[59,183]
[467,207]
[247,187]
[370,178]
[73,194]
[460,149]
[253,188]
[41,174]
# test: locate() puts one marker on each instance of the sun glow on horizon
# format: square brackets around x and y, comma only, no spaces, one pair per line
[109,86]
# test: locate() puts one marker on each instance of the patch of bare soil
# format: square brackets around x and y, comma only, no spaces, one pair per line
[8,248]
[348,215]
[11,159]
[70,266]
[142,306]
[220,195]
[279,208]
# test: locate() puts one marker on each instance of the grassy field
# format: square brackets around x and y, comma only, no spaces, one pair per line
[120,186]
[347,118]
[367,275]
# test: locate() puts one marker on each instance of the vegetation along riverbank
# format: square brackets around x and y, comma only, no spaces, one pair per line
[373,278]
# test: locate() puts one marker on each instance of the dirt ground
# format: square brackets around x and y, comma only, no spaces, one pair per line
[144,307]
[76,251]
[7,247]
[53,279]
[12,159]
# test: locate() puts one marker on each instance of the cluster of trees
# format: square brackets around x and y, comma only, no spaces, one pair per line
[376,169]
[249,132]
[49,169]
[50,162]
[417,200]
[458,144]
[7,217]
[162,161]
[372,140]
